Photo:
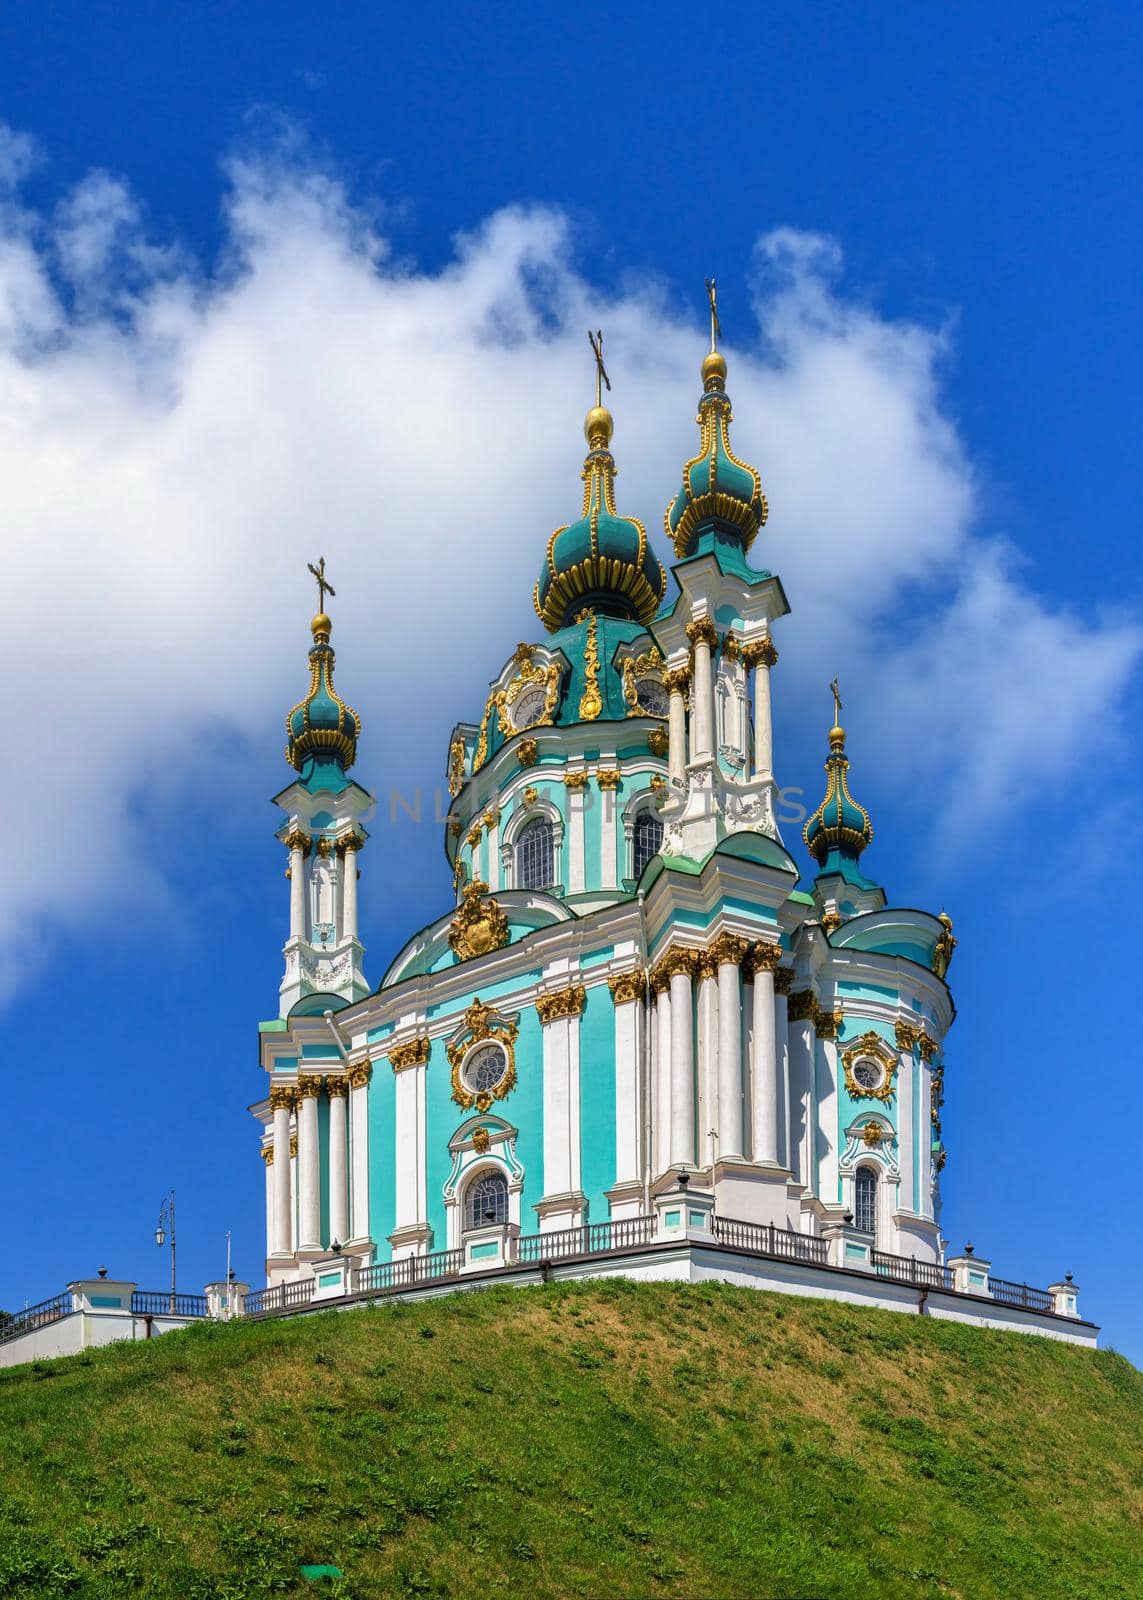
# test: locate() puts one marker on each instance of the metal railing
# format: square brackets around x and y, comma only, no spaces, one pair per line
[621,1233]
[385,1276]
[1019,1294]
[37,1316]
[162,1303]
[283,1297]
[906,1269]
[764,1239]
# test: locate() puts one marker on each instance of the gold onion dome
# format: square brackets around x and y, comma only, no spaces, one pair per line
[602,562]
[839,829]
[322,727]
[720,494]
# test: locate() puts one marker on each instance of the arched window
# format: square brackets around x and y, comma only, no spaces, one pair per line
[536,856]
[648,838]
[651,697]
[486,1200]
[484,1068]
[865,1200]
[529,708]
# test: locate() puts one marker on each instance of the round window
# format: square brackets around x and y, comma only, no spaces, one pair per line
[651,697]
[529,708]
[484,1068]
[868,1074]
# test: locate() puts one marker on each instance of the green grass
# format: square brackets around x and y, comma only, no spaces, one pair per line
[602,1439]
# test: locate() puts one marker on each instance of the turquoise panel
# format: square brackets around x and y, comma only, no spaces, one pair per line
[597,958]
[597,1099]
[382,1158]
[286,1064]
[867,991]
[696,1219]
[321,1052]
[327,1279]
[488,993]
[107,1300]
[383,1032]
[323,1145]
[481,1252]
[673,1218]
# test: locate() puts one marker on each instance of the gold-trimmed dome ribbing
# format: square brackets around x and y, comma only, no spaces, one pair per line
[322,726]
[840,827]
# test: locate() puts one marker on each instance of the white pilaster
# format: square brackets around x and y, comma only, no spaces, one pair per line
[577,843]
[764,1067]
[826,1069]
[628,992]
[707,1075]
[268,1160]
[349,890]
[359,1076]
[703,636]
[309,1165]
[680,966]
[338,1090]
[927,1207]
[762,655]
[663,1077]
[562,1203]
[492,827]
[728,951]
[298,845]
[408,1137]
[608,831]
[281,1241]
[677,681]
[782,980]
[803,1109]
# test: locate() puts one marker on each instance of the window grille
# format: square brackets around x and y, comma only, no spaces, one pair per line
[651,697]
[486,1201]
[484,1068]
[536,856]
[648,839]
[865,1200]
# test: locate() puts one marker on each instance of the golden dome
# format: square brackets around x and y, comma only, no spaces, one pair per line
[598,426]
[714,367]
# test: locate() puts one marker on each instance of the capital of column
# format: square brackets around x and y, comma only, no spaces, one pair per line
[293,1146]
[928,1047]
[731,646]
[760,652]
[337,1088]
[728,950]
[575,780]
[351,841]
[828,1024]
[678,960]
[658,742]
[267,1154]
[783,980]
[627,986]
[414,1053]
[474,835]
[359,1074]
[765,956]
[677,681]
[907,1035]
[608,777]
[491,817]
[567,1002]
[802,1006]
[297,840]
[309,1088]
[706,965]
[703,631]
[282,1097]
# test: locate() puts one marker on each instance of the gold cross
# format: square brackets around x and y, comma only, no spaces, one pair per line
[595,340]
[836,692]
[715,325]
[324,588]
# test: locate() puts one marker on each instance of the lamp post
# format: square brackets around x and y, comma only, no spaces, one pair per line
[167,1220]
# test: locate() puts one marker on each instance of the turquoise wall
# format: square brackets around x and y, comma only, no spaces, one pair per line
[597,1100]
[382,1157]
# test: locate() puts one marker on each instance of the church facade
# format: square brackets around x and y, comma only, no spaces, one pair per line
[629,985]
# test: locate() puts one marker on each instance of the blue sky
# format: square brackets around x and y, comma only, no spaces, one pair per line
[237,329]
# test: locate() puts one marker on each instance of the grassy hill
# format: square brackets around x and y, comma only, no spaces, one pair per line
[601,1439]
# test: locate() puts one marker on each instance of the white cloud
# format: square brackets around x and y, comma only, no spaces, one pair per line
[175,443]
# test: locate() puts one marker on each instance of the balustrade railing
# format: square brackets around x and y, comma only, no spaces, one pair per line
[161,1303]
[906,1269]
[764,1239]
[621,1233]
[37,1316]
[1019,1294]
[385,1276]
[283,1297]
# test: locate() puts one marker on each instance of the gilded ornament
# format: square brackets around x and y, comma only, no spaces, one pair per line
[731,647]
[567,1002]
[703,631]
[648,665]
[728,950]
[337,1087]
[871,1134]
[297,840]
[482,1022]
[474,835]
[907,1036]
[532,675]
[759,652]
[414,1053]
[627,986]
[323,847]
[765,956]
[928,1047]
[831,921]
[309,1087]
[268,1154]
[479,924]
[677,681]
[348,842]
[531,795]
[828,1024]
[454,825]
[359,1074]
[481,1141]
[801,1006]
[282,1097]
[527,752]
[575,780]
[496,698]
[945,945]
[870,1045]
[456,767]
[591,701]
[783,980]
[293,1147]
[658,742]
[491,817]
[658,781]
[608,777]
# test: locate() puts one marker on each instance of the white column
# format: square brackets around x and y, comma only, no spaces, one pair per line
[676,683]
[825,1071]
[782,980]
[348,854]
[728,951]
[576,782]
[492,824]
[559,1014]
[338,1090]
[281,1103]
[297,842]
[359,1076]
[309,1165]
[406,1136]
[800,1012]
[762,656]
[627,992]
[663,1071]
[764,1068]
[681,964]
[928,1051]
[608,782]
[706,1078]
[268,1159]
[703,637]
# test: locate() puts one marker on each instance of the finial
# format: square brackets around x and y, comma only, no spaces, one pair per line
[321,624]
[599,424]
[714,365]
[837,732]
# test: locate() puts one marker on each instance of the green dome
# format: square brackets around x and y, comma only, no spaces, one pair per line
[322,727]
[719,492]
[839,829]
[602,562]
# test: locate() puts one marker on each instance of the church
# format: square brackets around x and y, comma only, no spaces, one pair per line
[631,1020]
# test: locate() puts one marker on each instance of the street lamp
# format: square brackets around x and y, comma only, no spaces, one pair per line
[167,1220]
